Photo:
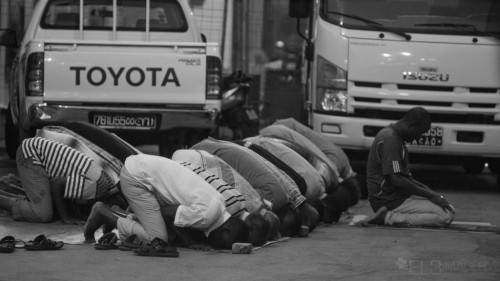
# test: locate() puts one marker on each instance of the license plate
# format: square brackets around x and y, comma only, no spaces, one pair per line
[433,137]
[125,121]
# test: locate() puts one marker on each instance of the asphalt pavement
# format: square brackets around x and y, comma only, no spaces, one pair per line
[332,252]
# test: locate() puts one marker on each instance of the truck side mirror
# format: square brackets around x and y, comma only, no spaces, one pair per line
[299,8]
[8,38]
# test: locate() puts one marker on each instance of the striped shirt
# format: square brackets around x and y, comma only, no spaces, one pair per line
[59,160]
[235,203]
[254,203]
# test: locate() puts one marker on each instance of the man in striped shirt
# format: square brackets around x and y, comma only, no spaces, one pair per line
[395,196]
[253,202]
[51,172]
[235,205]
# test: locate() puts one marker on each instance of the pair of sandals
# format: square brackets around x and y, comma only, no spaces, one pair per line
[40,243]
[157,247]
[109,241]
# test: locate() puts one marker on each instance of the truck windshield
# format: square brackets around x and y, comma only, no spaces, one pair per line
[164,15]
[457,17]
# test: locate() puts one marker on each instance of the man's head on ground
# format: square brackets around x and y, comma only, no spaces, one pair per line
[291,221]
[343,197]
[274,222]
[259,229]
[415,122]
[353,187]
[309,215]
[329,208]
[233,230]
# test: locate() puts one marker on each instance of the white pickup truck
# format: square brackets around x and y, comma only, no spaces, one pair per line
[139,68]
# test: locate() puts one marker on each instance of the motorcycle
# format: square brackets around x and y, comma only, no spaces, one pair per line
[238,117]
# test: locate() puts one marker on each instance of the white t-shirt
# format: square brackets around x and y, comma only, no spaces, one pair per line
[200,206]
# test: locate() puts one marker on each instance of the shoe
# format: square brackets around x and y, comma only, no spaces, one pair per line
[7,244]
[42,243]
[107,242]
[132,242]
[157,248]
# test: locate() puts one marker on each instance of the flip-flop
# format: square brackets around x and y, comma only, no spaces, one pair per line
[42,243]
[132,242]
[7,244]
[157,248]
[107,242]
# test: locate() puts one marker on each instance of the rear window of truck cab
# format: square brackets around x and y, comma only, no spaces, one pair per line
[131,15]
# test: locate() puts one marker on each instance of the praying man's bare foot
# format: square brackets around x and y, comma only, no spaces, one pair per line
[377,218]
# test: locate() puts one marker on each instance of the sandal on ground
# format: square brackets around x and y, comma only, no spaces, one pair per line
[42,243]
[108,241]
[7,244]
[157,248]
[132,242]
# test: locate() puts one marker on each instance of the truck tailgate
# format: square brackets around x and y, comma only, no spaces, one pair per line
[121,74]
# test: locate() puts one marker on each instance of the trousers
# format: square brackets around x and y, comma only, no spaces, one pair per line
[145,206]
[418,211]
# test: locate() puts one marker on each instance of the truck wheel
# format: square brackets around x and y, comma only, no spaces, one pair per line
[11,135]
[173,140]
[494,167]
[473,167]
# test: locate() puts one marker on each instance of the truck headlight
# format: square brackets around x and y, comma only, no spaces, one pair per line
[331,87]
[334,100]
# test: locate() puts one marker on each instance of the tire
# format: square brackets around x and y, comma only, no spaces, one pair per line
[473,167]
[11,135]
[173,140]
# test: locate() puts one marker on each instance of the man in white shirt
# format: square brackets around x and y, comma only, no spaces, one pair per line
[155,185]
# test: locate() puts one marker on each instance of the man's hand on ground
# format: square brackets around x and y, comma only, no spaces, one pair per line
[441,202]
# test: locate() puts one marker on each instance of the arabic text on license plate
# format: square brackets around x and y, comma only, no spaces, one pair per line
[119,121]
[433,137]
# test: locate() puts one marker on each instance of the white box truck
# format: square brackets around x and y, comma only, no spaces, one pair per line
[140,68]
[368,61]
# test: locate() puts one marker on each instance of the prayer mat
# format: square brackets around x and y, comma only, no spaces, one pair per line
[459,226]
[26,231]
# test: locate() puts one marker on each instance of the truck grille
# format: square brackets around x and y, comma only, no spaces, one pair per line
[476,90]
[481,113]
[479,119]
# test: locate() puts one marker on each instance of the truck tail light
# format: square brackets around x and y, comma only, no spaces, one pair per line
[331,87]
[214,72]
[34,75]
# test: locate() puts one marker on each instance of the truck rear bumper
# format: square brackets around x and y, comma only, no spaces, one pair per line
[358,134]
[42,114]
